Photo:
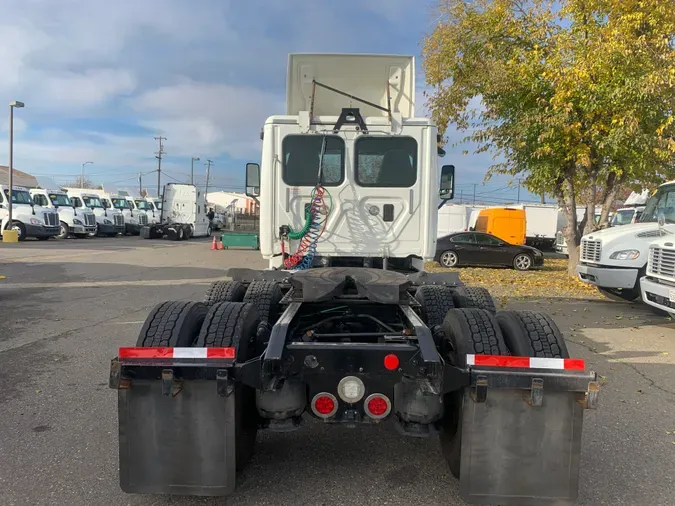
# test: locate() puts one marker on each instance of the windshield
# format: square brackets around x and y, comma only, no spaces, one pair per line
[142,204]
[623,217]
[663,201]
[158,204]
[92,202]
[59,199]
[19,197]
[119,203]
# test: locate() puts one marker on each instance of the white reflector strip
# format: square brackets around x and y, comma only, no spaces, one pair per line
[547,363]
[190,352]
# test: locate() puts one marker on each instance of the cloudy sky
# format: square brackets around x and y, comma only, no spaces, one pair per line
[101,79]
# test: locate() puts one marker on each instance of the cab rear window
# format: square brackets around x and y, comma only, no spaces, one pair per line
[386,161]
[301,155]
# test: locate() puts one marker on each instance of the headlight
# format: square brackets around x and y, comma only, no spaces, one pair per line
[107,222]
[33,221]
[77,222]
[625,254]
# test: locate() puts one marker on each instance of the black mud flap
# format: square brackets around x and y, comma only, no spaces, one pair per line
[182,443]
[521,437]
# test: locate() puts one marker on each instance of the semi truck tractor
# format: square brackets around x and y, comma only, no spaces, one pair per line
[109,221]
[182,215]
[615,259]
[72,221]
[28,219]
[345,327]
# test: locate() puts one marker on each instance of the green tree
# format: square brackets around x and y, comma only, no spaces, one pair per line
[576,97]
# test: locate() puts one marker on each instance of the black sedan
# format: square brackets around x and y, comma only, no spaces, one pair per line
[477,248]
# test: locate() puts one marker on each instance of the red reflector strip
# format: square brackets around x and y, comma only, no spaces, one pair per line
[574,364]
[176,353]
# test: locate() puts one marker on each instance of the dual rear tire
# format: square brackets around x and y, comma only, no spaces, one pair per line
[477,331]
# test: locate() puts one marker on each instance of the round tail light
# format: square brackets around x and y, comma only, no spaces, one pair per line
[324,405]
[377,406]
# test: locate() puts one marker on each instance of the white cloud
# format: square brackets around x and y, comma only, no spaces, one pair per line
[89,89]
[214,118]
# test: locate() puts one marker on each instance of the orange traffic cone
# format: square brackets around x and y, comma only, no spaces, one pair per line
[220,244]
[213,244]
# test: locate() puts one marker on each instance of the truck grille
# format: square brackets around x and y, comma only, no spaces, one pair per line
[51,219]
[590,250]
[119,220]
[89,220]
[560,239]
[662,262]
[142,219]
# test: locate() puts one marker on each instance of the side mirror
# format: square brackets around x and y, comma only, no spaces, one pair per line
[252,179]
[447,188]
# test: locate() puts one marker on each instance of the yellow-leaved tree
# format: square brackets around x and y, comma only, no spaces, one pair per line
[576,96]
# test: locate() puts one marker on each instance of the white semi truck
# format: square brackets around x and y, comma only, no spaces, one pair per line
[182,215]
[109,221]
[345,326]
[113,199]
[658,284]
[28,219]
[615,259]
[79,222]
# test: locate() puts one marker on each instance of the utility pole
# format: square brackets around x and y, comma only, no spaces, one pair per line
[474,193]
[140,183]
[208,172]
[159,163]
[192,169]
[519,191]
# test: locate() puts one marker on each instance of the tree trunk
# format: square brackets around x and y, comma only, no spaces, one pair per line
[611,189]
[571,232]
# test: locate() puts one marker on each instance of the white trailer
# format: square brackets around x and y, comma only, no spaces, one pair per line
[543,222]
[182,215]
[455,218]
[28,219]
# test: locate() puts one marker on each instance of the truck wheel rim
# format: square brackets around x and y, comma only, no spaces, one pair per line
[62,231]
[17,229]
[523,262]
[449,259]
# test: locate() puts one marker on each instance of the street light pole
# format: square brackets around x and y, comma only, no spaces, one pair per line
[12,105]
[192,170]
[82,174]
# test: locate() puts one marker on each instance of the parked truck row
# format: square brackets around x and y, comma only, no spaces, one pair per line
[52,211]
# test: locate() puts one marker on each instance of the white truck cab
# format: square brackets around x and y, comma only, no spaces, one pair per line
[615,259]
[79,222]
[109,222]
[376,190]
[28,219]
[112,199]
[658,285]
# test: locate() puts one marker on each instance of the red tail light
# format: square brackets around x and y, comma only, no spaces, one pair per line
[377,406]
[391,362]
[324,405]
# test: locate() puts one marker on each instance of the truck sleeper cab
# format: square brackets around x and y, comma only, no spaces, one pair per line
[80,223]
[28,219]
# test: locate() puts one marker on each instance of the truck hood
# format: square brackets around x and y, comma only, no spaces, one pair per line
[627,232]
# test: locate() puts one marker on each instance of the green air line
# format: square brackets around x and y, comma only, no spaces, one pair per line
[301,233]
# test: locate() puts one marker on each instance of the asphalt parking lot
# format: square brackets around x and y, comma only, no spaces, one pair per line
[65,308]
